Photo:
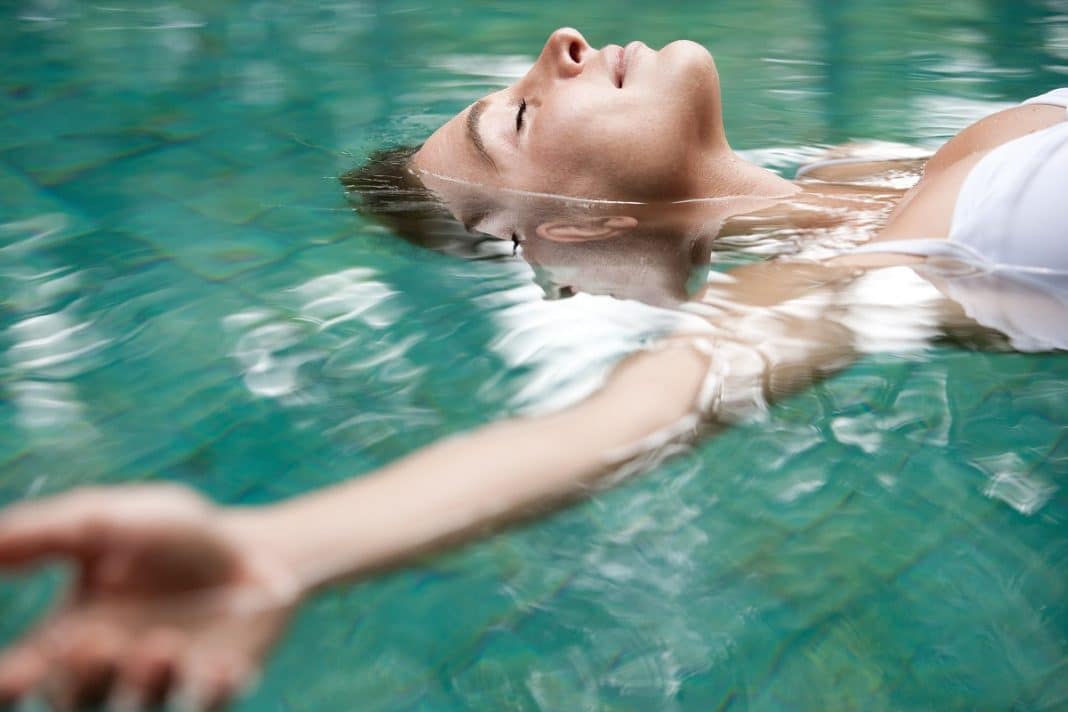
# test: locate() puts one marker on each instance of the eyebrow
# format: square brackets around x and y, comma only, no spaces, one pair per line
[474,114]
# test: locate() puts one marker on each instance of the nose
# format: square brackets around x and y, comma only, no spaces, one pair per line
[565,53]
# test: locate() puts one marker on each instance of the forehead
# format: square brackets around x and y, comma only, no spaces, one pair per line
[450,152]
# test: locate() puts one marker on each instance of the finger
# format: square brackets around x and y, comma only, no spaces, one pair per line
[222,686]
[148,672]
[79,522]
[55,526]
[21,670]
[86,664]
[210,682]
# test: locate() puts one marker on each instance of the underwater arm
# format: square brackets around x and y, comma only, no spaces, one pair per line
[771,331]
[462,486]
[178,599]
[177,596]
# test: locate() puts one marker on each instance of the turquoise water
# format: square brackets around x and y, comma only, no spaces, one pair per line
[186,296]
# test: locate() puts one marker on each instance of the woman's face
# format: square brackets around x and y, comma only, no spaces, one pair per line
[616,123]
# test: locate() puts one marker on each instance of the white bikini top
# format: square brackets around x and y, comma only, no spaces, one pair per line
[1010,232]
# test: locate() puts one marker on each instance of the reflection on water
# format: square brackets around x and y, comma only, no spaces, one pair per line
[48,341]
[184,294]
[265,347]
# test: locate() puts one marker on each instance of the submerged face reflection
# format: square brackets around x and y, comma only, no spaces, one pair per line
[616,123]
[646,252]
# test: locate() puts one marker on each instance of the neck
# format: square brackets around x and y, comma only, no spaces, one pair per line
[737,188]
[725,173]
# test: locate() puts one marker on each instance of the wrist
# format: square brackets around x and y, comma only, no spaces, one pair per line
[268,548]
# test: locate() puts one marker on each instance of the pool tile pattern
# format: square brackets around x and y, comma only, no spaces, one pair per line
[894,538]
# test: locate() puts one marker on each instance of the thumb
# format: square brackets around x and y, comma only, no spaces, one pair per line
[60,526]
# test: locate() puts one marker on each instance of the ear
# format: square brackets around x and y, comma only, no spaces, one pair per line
[584,229]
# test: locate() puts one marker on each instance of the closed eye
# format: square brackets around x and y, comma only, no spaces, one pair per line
[519,115]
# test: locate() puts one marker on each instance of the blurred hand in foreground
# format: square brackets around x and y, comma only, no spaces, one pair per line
[176,598]
[171,600]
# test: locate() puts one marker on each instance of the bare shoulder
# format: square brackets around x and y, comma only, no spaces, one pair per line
[927,209]
[992,131]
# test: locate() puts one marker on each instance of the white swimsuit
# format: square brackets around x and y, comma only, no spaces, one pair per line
[1010,224]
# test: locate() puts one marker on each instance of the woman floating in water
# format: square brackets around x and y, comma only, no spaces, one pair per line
[177,596]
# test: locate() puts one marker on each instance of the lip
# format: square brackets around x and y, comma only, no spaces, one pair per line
[623,59]
[626,58]
[616,64]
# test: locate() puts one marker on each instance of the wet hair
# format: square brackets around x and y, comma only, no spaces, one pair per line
[384,187]
[386,190]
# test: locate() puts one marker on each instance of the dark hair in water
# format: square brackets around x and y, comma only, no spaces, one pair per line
[386,190]
[384,185]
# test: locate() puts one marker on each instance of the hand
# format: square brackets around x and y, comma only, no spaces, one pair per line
[171,599]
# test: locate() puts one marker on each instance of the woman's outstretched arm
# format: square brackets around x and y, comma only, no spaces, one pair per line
[460,487]
[174,596]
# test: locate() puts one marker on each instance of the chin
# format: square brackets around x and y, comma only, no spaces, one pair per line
[692,74]
[691,69]
[690,54]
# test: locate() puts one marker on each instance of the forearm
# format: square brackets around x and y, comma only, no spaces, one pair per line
[460,487]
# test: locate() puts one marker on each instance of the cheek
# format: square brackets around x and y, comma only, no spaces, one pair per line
[625,151]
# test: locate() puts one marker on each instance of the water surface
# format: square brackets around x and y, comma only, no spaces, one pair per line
[185,295]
